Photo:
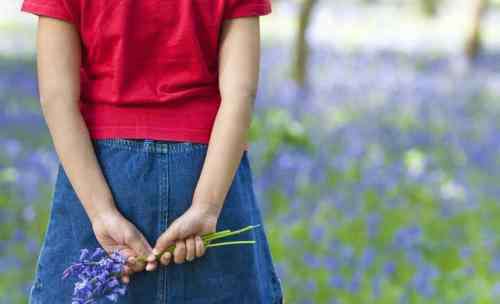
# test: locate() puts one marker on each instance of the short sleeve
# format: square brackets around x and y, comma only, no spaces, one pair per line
[245,8]
[50,8]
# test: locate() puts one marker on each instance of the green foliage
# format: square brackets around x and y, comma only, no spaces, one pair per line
[430,7]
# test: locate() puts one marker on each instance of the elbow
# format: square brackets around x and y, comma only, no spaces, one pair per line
[49,100]
[45,101]
[239,93]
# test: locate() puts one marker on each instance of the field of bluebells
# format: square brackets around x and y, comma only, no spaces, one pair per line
[379,181]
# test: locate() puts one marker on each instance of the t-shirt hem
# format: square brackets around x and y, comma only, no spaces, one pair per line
[45,10]
[157,133]
[250,10]
[147,132]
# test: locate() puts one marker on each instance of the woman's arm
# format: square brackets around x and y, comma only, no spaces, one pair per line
[238,81]
[58,66]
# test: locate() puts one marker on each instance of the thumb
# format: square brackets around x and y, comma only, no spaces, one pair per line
[140,245]
[166,239]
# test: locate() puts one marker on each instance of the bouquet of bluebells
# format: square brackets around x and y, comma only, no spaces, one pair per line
[99,273]
[99,276]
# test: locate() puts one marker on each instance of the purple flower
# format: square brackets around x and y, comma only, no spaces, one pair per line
[98,275]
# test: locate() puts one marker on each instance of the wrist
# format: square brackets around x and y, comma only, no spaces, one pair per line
[101,209]
[209,208]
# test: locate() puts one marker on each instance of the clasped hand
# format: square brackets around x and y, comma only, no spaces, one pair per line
[114,232]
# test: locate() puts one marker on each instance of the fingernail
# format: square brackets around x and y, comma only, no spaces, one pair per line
[156,251]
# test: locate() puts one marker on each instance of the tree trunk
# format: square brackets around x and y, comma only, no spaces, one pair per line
[429,7]
[473,44]
[299,66]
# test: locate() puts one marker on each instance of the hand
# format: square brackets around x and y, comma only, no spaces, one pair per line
[185,233]
[115,232]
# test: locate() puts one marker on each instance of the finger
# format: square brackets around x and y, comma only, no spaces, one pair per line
[126,270]
[180,252]
[200,247]
[141,247]
[127,253]
[136,265]
[150,266]
[166,239]
[165,258]
[125,279]
[190,248]
[131,260]
[139,244]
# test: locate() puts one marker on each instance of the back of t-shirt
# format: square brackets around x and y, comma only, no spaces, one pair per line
[148,50]
[139,53]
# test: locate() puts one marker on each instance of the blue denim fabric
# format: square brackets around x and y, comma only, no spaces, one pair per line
[152,182]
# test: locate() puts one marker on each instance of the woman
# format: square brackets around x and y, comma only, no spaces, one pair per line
[148,104]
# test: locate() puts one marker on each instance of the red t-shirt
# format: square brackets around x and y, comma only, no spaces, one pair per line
[149,67]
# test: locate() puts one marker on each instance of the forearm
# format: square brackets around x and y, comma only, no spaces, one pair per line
[224,153]
[76,154]
[58,62]
[238,82]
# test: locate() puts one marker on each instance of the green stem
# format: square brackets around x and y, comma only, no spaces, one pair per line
[217,236]
[207,238]
[204,236]
[230,243]
[228,233]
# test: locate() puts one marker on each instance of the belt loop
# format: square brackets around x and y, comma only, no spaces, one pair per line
[149,144]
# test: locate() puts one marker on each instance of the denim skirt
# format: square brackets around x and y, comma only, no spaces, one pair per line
[152,182]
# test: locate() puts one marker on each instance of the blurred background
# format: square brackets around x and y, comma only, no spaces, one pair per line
[375,149]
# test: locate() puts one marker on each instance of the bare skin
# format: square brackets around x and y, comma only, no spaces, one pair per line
[58,63]
[238,81]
